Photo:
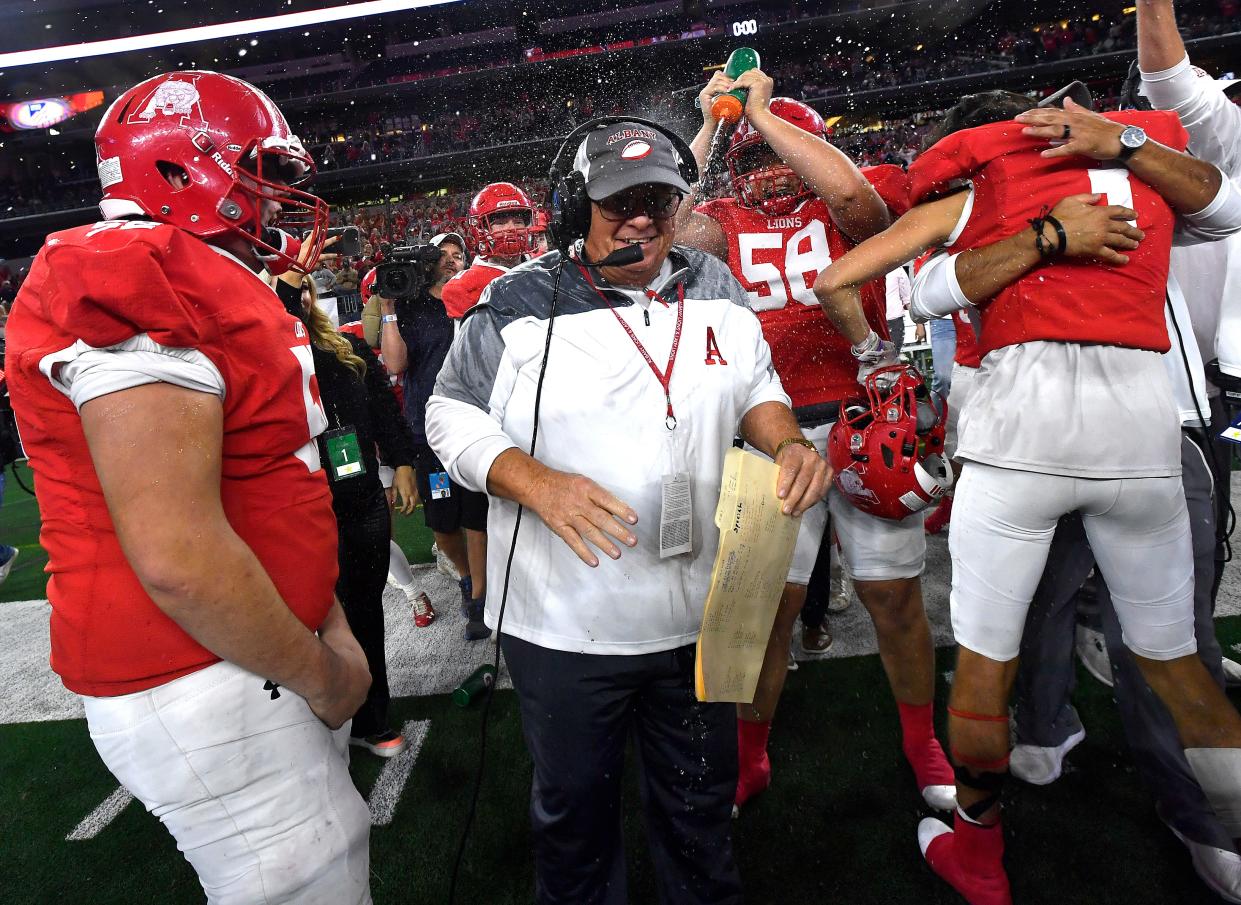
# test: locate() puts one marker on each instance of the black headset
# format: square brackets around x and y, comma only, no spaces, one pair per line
[1131,97]
[570,205]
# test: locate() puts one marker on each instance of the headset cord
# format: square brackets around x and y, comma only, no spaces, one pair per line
[18,478]
[1224,530]
[508,571]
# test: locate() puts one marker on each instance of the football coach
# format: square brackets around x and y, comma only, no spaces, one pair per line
[637,362]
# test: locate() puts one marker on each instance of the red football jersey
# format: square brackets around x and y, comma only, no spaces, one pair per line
[1067,299]
[777,260]
[102,285]
[463,291]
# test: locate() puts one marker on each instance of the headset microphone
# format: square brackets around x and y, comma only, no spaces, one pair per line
[622,257]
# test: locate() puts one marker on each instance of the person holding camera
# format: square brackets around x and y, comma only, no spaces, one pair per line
[362,415]
[414,337]
[654,365]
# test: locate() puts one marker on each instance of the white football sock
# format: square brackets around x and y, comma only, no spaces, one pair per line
[398,566]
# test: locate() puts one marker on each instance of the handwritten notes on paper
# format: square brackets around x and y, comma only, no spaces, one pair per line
[756,548]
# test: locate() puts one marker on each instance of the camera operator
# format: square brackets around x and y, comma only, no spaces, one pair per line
[415,334]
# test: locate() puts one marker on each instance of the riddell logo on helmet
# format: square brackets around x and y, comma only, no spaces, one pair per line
[508,202]
[174,97]
[635,150]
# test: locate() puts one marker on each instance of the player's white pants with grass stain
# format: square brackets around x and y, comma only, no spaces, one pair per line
[255,790]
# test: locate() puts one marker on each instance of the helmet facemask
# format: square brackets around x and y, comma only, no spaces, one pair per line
[269,170]
[762,181]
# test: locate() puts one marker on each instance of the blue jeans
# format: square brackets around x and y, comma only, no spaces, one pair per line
[943,350]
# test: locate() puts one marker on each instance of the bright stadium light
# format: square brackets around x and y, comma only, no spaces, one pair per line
[211,32]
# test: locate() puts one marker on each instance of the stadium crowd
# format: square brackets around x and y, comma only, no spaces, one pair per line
[52,180]
[256,631]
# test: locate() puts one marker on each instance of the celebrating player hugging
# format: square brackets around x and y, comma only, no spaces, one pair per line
[608,366]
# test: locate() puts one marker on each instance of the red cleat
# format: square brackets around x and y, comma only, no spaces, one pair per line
[936,780]
[753,764]
[937,521]
[424,613]
[968,857]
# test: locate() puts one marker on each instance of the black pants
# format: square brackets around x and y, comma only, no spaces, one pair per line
[577,712]
[364,532]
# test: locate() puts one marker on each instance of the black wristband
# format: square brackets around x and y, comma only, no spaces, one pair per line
[1061,235]
[1045,249]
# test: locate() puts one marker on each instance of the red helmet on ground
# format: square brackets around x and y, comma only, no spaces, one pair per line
[769,185]
[887,448]
[231,142]
[500,198]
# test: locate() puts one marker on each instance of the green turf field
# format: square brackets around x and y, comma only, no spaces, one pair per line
[19,526]
[838,825]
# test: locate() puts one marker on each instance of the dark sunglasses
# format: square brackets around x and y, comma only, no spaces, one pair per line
[658,204]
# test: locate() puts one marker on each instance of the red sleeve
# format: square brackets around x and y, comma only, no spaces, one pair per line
[940,168]
[462,292]
[892,184]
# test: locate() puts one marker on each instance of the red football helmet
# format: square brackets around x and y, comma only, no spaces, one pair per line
[367,286]
[500,198]
[540,237]
[887,448]
[769,185]
[231,142]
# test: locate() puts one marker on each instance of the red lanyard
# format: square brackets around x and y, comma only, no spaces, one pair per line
[664,377]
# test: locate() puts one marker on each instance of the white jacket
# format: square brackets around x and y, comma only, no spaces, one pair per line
[602,415]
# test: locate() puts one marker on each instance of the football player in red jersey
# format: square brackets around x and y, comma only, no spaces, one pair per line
[1078,342]
[797,204]
[500,231]
[169,407]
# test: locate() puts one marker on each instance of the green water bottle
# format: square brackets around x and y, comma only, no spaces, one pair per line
[477,682]
[730,105]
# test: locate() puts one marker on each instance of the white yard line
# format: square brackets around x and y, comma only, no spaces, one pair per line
[391,782]
[97,820]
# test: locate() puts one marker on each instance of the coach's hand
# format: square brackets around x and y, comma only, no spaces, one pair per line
[579,510]
[1096,230]
[1074,130]
[344,677]
[804,476]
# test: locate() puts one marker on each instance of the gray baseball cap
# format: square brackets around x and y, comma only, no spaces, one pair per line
[440,238]
[626,154]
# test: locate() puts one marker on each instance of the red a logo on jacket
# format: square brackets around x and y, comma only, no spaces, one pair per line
[714,356]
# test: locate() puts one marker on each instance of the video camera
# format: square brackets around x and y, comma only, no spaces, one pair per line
[406,271]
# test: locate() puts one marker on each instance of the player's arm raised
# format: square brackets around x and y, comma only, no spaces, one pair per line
[1160,45]
[693,228]
[838,287]
[157,451]
[855,206]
